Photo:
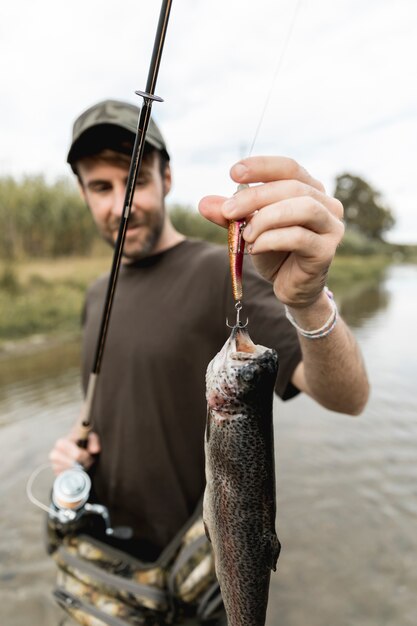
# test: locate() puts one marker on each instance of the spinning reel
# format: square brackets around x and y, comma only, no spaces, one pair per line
[69,503]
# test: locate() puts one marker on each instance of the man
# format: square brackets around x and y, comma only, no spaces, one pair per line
[145,453]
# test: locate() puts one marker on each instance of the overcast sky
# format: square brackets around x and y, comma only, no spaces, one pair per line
[345,98]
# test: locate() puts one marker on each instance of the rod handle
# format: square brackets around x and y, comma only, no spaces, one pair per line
[84,427]
[83,432]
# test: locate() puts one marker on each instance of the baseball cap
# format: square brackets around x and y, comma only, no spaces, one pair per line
[108,124]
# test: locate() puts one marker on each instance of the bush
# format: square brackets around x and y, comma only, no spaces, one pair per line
[356,243]
[189,222]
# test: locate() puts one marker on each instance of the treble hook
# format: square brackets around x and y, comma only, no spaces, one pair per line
[236,252]
[238,307]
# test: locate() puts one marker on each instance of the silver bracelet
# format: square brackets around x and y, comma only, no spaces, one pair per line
[324,330]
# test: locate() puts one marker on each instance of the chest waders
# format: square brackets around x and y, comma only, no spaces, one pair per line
[99,584]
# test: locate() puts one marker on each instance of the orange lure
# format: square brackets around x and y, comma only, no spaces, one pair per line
[236,252]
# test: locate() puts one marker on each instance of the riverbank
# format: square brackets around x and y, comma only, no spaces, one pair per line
[41,300]
[346,271]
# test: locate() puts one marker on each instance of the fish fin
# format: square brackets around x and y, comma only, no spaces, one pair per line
[272,549]
[206,531]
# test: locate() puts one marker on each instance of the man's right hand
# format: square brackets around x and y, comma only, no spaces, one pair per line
[66,452]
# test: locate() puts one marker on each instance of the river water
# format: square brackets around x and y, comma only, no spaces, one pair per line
[346,487]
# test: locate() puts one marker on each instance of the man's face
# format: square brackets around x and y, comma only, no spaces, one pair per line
[103,186]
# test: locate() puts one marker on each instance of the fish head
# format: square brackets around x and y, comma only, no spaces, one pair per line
[241,372]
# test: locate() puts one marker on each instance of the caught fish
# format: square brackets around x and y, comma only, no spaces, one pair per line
[239,500]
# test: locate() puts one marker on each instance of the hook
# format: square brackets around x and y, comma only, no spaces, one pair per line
[238,307]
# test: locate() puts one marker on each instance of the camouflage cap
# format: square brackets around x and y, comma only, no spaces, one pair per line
[105,125]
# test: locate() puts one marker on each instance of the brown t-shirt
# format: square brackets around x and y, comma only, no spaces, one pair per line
[167,323]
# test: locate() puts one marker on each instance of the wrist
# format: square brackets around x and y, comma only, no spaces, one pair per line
[316,320]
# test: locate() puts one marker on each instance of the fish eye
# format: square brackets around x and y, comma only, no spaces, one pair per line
[248,373]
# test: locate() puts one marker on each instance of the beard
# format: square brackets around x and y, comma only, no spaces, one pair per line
[144,241]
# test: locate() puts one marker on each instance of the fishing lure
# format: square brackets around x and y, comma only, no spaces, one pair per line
[236,252]
[236,245]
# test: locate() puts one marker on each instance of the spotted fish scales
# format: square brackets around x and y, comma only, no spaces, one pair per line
[239,500]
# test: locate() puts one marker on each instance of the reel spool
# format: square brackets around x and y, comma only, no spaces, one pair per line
[71,489]
[69,503]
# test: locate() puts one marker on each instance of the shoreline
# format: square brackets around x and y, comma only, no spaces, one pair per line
[51,299]
[36,343]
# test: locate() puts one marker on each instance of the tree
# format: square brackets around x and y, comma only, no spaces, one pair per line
[365,210]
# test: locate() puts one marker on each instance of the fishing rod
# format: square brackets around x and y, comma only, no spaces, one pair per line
[71,489]
[145,114]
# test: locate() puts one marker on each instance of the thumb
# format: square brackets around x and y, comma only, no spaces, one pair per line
[94,446]
[210,208]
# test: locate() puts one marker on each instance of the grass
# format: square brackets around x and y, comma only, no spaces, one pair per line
[45,297]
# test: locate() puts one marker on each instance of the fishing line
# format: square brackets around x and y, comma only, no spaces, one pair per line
[29,487]
[235,253]
[275,74]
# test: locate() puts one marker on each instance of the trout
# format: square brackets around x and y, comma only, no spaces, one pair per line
[239,500]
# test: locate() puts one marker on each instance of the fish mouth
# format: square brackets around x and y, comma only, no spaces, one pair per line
[241,347]
[242,342]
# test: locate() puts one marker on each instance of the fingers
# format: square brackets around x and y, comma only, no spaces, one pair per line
[304,242]
[93,446]
[264,169]
[246,202]
[303,212]
[210,207]
[282,178]
[66,453]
